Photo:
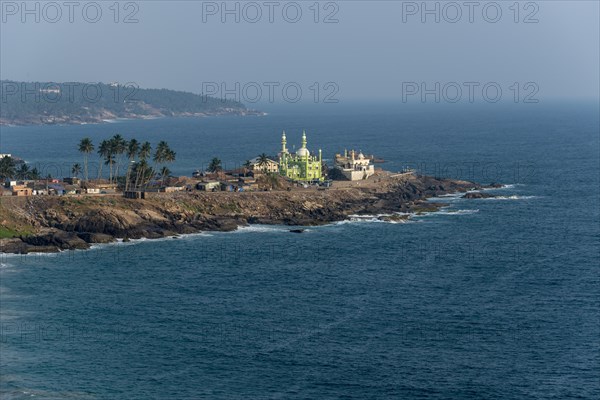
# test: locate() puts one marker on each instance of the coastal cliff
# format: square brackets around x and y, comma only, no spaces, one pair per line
[49,224]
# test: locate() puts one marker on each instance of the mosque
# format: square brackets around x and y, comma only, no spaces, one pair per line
[354,166]
[300,166]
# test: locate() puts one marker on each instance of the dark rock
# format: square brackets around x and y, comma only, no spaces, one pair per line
[477,195]
[90,237]
[222,224]
[61,239]
[42,249]
[16,246]
[296,230]
[153,234]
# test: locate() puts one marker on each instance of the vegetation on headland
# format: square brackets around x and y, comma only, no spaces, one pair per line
[116,151]
[32,103]
[130,163]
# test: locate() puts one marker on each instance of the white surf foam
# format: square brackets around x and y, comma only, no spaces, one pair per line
[445,211]
[374,218]
[506,186]
[511,197]
[263,228]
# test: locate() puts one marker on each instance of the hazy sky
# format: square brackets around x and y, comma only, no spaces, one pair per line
[371,52]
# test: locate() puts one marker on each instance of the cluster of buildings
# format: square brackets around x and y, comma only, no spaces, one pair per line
[301,166]
[55,187]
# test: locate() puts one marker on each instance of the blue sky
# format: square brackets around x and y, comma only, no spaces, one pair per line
[373,49]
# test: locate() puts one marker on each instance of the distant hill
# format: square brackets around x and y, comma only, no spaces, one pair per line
[31,103]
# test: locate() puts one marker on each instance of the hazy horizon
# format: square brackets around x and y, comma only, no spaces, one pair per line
[375,51]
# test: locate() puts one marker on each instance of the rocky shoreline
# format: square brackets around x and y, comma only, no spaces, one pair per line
[52,224]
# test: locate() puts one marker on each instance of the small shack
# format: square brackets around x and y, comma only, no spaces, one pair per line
[211,186]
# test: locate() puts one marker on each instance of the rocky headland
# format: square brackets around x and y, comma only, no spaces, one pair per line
[51,224]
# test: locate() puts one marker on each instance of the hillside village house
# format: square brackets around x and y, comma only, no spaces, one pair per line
[209,186]
[172,189]
[72,189]
[90,188]
[21,190]
[72,181]
[270,166]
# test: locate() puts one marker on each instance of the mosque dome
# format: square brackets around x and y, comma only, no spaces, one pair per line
[361,156]
[303,152]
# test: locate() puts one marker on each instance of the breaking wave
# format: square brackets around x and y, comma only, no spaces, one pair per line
[377,218]
[263,228]
[511,197]
[444,211]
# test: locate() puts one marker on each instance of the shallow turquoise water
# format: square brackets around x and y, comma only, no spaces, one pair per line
[493,298]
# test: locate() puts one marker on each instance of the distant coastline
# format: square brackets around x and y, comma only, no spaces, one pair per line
[75,103]
[74,120]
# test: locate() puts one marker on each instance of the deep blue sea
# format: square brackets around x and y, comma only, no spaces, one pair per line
[487,299]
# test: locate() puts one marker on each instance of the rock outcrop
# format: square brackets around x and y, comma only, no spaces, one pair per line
[478,195]
[68,223]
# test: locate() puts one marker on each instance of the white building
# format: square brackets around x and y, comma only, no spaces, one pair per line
[354,166]
[270,166]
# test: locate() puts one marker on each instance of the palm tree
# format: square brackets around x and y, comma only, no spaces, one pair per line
[247,167]
[76,170]
[109,160]
[143,173]
[132,150]
[140,171]
[263,162]
[215,165]
[119,147]
[164,173]
[7,167]
[103,152]
[163,154]
[34,173]
[23,172]
[86,147]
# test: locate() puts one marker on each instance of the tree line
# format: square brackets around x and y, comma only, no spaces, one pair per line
[129,156]
[9,169]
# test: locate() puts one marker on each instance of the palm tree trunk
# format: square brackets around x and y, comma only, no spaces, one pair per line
[128,176]
[85,166]
[137,177]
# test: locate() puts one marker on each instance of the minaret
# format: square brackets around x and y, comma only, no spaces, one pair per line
[304,139]
[283,143]
[320,171]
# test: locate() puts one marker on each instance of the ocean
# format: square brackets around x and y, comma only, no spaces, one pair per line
[489,298]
